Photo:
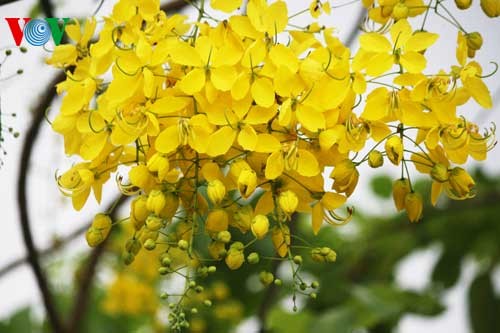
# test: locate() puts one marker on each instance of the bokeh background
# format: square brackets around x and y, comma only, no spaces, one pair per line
[439,276]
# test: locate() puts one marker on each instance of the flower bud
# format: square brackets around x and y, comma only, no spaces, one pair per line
[224,236]
[217,250]
[183,244]
[156,201]
[297,260]
[260,226]
[463,4]
[439,173]
[154,223]
[217,221]
[324,254]
[345,177]
[394,149]
[491,7]
[140,176]
[413,206]
[461,185]
[149,244]
[375,159]
[235,256]
[474,40]
[288,202]
[399,190]
[247,182]
[281,239]
[253,258]
[216,191]
[139,211]
[242,218]
[99,230]
[400,11]
[266,278]
[133,246]
[171,205]
[158,163]
[128,258]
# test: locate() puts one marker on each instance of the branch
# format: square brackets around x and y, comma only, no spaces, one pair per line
[355,30]
[175,5]
[32,255]
[85,281]
[47,8]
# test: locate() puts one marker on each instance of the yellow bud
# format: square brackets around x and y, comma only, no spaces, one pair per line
[463,4]
[217,221]
[345,176]
[242,218]
[140,176]
[400,11]
[461,185]
[158,163]
[266,278]
[235,257]
[413,206]
[394,149]
[171,205]
[217,250]
[216,191]
[474,40]
[139,211]
[399,190]
[247,182]
[224,236]
[156,201]
[491,7]
[288,202]
[439,173]
[154,223]
[375,159]
[99,230]
[260,226]
[281,239]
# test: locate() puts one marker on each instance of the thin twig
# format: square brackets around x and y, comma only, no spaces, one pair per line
[22,201]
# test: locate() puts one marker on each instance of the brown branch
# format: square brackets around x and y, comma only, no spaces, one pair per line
[22,201]
[175,5]
[85,281]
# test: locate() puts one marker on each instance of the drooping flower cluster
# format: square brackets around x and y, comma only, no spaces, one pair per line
[226,127]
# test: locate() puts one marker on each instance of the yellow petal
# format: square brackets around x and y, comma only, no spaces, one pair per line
[193,82]
[379,64]
[413,62]
[226,6]
[307,164]
[374,42]
[275,165]
[420,41]
[267,143]
[168,140]
[479,91]
[220,141]
[247,138]
[168,105]
[223,77]
[184,54]
[311,119]
[317,217]
[332,200]
[263,92]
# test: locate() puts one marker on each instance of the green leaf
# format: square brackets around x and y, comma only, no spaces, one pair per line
[447,270]
[280,321]
[381,186]
[340,320]
[20,322]
[484,309]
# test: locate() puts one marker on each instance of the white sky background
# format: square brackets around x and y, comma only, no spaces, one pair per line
[51,214]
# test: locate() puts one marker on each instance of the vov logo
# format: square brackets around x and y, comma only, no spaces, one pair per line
[37,32]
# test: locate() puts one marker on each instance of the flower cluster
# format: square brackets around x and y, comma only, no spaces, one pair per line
[226,127]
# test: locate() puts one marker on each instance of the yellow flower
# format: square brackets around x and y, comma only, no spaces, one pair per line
[345,177]
[139,211]
[491,7]
[324,211]
[226,6]
[217,221]
[377,55]
[260,226]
